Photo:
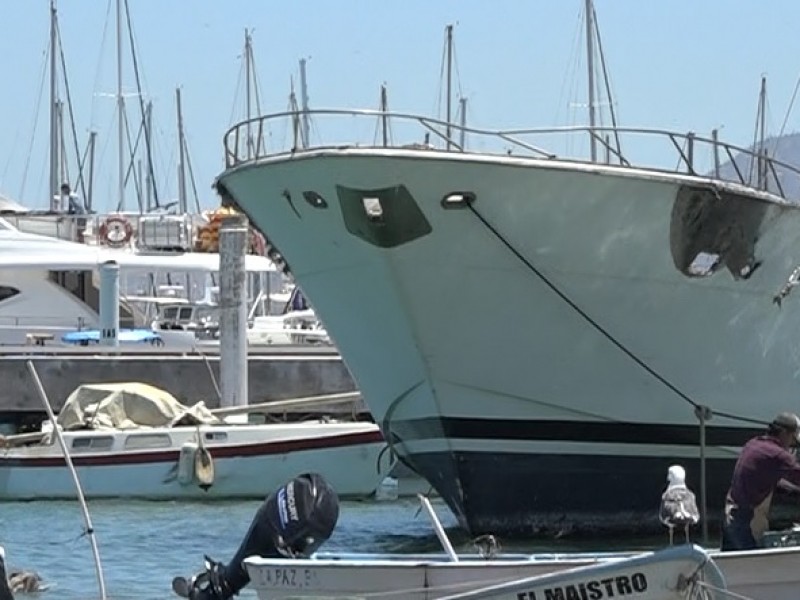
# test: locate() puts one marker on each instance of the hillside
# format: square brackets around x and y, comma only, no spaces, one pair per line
[785,149]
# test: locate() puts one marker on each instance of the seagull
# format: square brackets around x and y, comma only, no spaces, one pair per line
[487,546]
[26,582]
[678,504]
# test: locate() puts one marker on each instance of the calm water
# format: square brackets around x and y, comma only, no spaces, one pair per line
[144,544]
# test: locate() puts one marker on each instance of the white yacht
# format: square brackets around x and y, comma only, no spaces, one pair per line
[49,294]
[539,333]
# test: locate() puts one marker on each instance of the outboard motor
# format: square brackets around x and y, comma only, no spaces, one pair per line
[294,521]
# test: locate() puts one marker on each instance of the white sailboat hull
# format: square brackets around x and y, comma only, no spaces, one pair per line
[250,461]
[549,335]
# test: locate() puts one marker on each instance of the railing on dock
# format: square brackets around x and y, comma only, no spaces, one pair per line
[350,128]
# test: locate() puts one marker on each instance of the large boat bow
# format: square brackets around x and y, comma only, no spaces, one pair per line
[538,333]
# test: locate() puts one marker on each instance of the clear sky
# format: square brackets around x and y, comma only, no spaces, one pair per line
[682,64]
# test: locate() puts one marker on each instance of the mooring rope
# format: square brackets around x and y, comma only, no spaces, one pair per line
[597,326]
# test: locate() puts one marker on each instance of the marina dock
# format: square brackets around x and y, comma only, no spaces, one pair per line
[274,374]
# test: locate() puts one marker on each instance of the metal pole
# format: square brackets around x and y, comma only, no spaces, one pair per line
[109,304]
[148,123]
[90,187]
[449,77]
[304,103]
[590,68]
[715,141]
[120,116]
[384,118]
[703,414]
[53,111]
[233,235]
[81,499]
[437,526]
[140,186]
[762,151]
[247,77]
[182,205]
[463,138]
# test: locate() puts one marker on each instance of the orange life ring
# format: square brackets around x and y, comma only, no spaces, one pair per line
[116,231]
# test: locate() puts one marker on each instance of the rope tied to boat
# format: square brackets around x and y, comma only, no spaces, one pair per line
[598,327]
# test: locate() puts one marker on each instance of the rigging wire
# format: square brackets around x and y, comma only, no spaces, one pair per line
[257,97]
[98,70]
[80,182]
[442,67]
[572,60]
[147,133]
[788,112]
[755,161]
[235,107]
[607,83]
[35,123]
[191,175]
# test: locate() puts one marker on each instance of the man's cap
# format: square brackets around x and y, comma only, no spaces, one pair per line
[788,422]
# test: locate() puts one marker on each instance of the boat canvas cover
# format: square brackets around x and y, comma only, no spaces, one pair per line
[128,406]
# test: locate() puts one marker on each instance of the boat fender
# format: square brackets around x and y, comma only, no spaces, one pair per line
[186,463]
[295,520]
[116,231]
[204,468]
[203,464]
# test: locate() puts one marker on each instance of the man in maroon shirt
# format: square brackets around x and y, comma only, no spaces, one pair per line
[764,463]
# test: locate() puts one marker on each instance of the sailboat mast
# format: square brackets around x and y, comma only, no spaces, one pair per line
[53,110]
[182,204]
[120,116]
[90,188]
[247,78]
[149,183]
[449,78]
[762,152]
[384,118]
[463,136]
[590,67]
[304,100]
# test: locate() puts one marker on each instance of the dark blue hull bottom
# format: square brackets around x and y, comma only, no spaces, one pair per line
[533,495]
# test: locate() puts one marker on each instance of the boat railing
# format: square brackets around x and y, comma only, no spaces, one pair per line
[627,147]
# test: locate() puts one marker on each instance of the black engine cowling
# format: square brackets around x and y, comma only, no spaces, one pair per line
[293,521]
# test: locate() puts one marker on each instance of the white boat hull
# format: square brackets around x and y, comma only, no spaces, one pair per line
[550,338]
[769,574]
[250,463]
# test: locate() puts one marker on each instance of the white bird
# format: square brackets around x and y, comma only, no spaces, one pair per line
[678,504]
[26,582]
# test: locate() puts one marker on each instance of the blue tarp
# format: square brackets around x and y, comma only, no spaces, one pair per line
[92,336]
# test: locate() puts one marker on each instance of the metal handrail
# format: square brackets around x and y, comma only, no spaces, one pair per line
[684,144]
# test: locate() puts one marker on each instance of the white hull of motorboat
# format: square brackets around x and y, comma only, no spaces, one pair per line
[769,574]
[556,330]
[249,461]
